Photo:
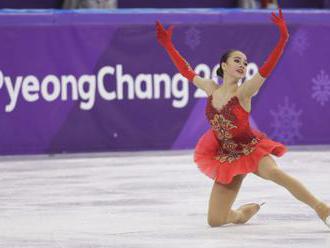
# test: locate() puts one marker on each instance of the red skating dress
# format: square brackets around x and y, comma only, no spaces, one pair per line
[231,147]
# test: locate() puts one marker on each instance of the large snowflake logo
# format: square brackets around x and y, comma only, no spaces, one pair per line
[321,87]
[300,42]
[192,38]
[286,123]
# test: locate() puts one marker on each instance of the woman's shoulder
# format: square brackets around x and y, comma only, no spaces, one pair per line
[216,90]
[241,95]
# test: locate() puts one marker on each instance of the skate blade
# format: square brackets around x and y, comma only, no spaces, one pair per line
[327,221]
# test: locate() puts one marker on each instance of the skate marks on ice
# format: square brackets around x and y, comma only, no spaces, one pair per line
[149,199]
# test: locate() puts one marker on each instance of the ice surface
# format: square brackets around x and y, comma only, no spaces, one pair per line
[150,199]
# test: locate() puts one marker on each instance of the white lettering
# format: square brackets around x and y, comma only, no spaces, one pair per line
[121,79]
[143,78]
[50,80]
[87,93]
[110,83]
[158,78]
[13,92]
[109,96]
[182,94]
[1,79]
[66,81]
[30,88]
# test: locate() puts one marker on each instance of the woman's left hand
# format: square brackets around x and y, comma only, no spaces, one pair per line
[280,22]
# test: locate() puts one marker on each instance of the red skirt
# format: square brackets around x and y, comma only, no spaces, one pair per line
[223,172]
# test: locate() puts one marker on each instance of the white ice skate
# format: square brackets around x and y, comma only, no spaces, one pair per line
[322,209]
[327,221]
[247,213]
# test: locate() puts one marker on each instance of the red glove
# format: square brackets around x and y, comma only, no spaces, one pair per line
[273,58]
[164,37]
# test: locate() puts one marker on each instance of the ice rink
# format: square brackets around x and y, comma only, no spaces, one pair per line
[151,199]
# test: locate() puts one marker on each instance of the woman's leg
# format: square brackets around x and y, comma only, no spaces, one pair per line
[268,169]
[221,200]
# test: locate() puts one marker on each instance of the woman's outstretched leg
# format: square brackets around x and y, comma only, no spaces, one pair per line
[268,169]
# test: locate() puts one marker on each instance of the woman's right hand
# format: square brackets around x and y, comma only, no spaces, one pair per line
[164,36]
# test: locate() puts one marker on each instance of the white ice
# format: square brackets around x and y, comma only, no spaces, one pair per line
[151,199]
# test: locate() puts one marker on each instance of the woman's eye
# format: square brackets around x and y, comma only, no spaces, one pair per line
[236,60]
[245,64]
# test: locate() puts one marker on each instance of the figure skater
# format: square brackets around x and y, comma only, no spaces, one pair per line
[231,149]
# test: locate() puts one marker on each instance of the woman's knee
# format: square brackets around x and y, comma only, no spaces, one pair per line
[216,222]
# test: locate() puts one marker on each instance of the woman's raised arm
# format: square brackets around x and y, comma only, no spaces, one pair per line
[164,38]
[251,87]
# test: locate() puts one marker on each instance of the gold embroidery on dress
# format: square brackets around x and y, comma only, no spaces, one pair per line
[234,155]
[229,150]
[222,126]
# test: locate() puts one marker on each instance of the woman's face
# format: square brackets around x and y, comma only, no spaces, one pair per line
[236,65]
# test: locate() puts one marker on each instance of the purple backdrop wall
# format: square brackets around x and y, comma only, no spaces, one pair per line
[80,81]
[43,4]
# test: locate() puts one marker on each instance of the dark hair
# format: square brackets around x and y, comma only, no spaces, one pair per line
[224,58]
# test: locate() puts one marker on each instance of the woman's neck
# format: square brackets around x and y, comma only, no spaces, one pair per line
[229,86]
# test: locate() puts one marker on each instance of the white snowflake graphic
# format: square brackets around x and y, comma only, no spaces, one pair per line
[192,37]
[286,123]
[300,42]
[321,87]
